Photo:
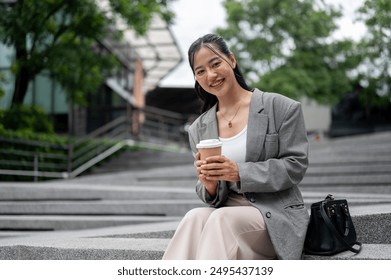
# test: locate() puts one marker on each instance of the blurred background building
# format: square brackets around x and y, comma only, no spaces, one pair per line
[144,62]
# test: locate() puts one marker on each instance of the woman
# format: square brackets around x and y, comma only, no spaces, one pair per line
[256,209]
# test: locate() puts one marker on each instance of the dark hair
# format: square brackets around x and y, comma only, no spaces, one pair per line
[212,41]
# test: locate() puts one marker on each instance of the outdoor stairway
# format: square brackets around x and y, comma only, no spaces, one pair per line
[132,214]
[351,164]
[143,159]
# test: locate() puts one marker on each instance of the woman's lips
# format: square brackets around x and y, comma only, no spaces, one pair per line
[217,83]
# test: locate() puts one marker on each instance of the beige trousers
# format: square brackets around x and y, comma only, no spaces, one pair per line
[236,231]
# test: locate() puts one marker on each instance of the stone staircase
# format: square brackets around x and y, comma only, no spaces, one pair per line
[132,213]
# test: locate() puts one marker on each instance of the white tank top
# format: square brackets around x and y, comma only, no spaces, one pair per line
[234,147]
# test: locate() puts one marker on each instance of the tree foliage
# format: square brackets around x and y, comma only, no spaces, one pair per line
[59,37]
[285,46]
[374,73]
[26,118]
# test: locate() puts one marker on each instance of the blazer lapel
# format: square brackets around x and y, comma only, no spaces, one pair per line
[209,127]
[256,128]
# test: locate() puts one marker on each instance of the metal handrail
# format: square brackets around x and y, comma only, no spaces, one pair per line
[159,128]
[32,154]
[97,159]
[34,143]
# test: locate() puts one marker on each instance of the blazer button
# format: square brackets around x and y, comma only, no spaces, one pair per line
[252,199]
[268,215]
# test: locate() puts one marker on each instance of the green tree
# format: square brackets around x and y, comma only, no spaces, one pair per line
[60,37]
[285,46]
[374,73]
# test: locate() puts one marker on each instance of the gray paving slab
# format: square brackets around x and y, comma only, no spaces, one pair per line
[341,170]
[84,192]
[87,244]
[368,252]
[105,207]
[30,238]
[30,223]
[20,252]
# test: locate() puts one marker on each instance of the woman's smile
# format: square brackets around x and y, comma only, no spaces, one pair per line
[217,83]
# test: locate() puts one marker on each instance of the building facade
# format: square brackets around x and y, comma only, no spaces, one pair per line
[144,61]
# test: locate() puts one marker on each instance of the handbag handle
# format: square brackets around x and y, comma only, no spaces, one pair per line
[330,225]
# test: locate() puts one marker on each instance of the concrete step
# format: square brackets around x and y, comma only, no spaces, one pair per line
[372,218]
[368,252]
[348,159]
[117,250]
[139,242]
[153,249]
[312,179]
[342,170]
[359,142]
[349,147]
[358,179]
[106,207]
[143,159]
[186,172]
[29,223]
[135,242]
[159,207]
[348,188]
[357,201]
[69,192]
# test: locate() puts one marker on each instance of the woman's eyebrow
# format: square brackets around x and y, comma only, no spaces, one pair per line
[209,62]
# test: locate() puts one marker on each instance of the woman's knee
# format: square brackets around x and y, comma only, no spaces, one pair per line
[198,214]
[218,217]
[234,217]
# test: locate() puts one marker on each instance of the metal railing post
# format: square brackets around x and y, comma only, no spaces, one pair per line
[36,168]
[70,158]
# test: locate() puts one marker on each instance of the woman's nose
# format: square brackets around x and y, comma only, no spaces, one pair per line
[211,73]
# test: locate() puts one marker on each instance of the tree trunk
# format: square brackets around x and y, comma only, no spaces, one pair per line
[22,79]
[21,83]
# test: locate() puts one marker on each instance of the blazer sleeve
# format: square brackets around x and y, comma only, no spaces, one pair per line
[286,169]
[222,188]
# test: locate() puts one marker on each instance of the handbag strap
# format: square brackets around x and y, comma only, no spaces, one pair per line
[337,234]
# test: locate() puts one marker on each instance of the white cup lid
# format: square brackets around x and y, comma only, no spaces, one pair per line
[209,143]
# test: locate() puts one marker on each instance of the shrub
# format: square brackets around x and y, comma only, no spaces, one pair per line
[26,118]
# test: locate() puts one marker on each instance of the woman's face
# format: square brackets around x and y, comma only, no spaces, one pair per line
[214,72]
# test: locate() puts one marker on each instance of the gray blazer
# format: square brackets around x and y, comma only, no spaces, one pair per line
[276,161]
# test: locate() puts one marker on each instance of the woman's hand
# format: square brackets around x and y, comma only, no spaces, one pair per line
[210,185]
[216,168]
[220,168]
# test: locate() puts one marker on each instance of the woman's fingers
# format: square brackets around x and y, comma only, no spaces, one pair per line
[219,159]
[219,168]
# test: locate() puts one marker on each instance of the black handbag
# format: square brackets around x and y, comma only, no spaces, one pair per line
[330,229]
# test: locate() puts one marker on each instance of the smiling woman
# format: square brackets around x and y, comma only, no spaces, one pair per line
[256,210]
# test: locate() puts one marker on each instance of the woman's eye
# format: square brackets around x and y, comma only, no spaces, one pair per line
[200,72]
[216,64]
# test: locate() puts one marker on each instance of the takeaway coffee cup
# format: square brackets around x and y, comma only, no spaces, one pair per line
[209,147]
